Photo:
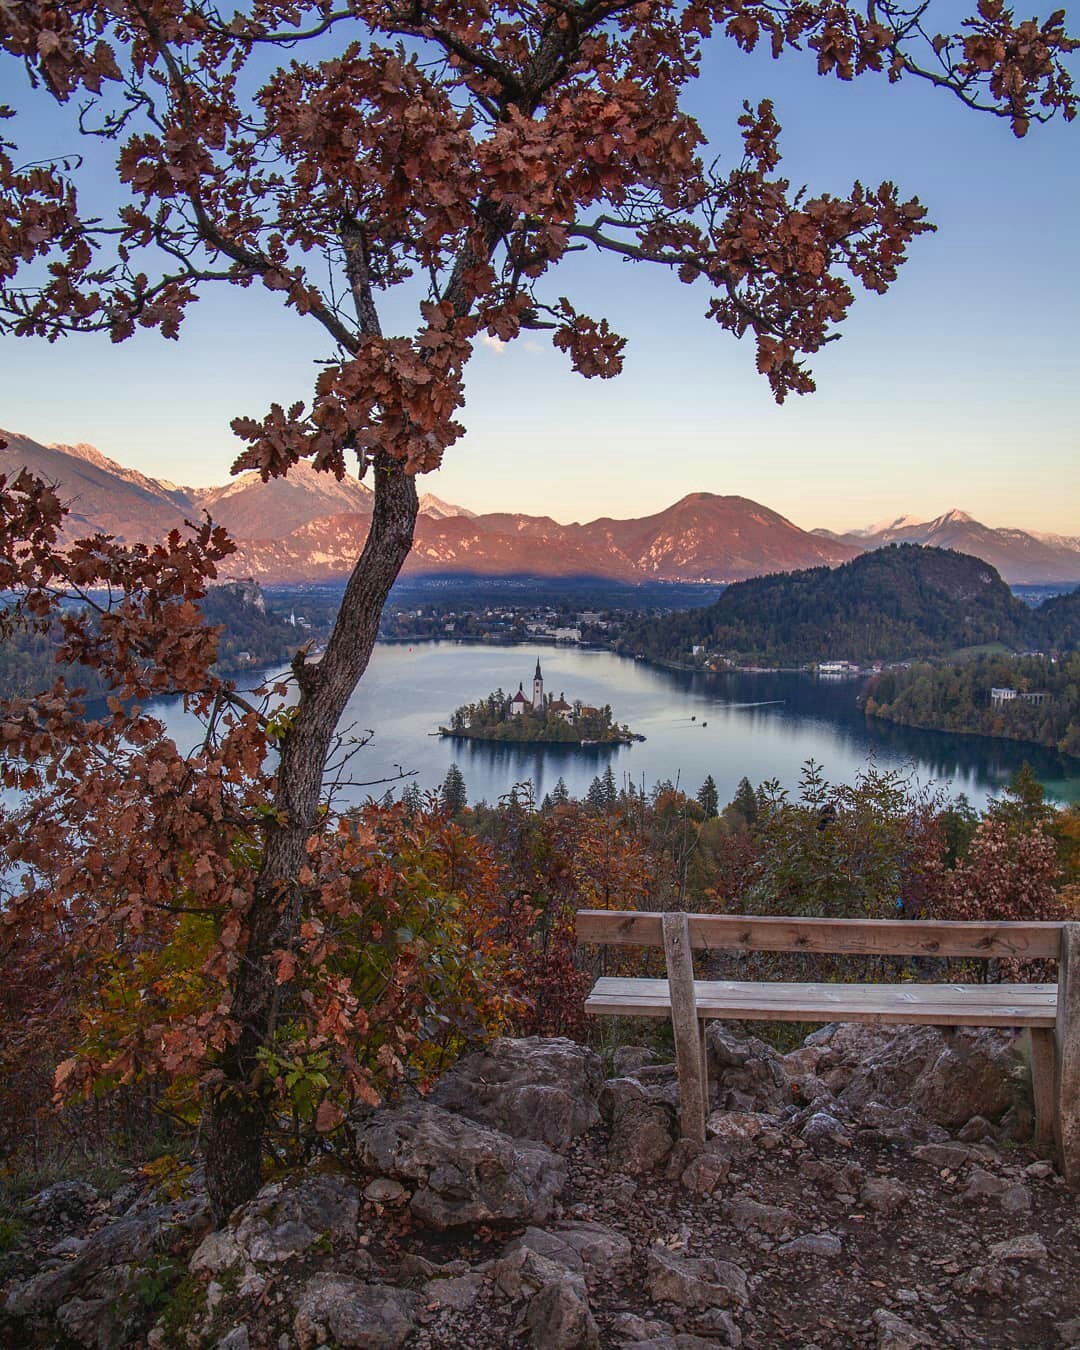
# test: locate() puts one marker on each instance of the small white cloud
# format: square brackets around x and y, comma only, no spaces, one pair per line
[496,344]
[531,346]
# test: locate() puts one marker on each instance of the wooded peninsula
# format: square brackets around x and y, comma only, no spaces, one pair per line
[1015,698]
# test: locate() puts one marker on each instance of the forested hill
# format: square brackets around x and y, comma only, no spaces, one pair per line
[955,696]
[895,603]
[250,637]
[1060,617]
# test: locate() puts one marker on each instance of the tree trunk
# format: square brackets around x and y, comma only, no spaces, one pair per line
[238,1110]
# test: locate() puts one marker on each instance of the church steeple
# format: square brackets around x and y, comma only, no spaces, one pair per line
[538,688]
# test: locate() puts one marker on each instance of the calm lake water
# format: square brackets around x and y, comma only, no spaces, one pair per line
[763,726]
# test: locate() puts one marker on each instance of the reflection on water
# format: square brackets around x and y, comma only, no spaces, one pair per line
[763,726]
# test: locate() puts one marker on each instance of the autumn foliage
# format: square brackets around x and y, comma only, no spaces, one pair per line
[446,158]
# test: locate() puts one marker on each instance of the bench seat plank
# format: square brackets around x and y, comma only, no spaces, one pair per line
[1000,1005]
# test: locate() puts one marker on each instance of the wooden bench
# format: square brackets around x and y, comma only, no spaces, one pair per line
[1051,1012]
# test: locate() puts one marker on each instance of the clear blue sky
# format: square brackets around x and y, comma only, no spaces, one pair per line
[958,388]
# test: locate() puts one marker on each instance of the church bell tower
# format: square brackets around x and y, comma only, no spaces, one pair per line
[538,688]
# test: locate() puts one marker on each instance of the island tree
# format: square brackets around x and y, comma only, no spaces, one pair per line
[356,156]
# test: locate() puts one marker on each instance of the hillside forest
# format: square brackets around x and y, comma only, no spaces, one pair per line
[957,697]
[899,603]
[248,636]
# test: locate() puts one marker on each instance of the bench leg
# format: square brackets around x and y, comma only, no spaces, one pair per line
[1067,1105]
[686,1026]
[1044,1082]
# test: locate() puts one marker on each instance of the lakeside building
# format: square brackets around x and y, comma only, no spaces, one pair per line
[999,697]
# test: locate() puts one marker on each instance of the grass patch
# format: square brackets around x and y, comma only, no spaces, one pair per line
[973,653]
[180,1309]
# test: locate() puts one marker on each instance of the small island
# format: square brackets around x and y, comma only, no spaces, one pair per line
[539,719]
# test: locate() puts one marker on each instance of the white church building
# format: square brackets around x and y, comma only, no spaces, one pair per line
[521,700]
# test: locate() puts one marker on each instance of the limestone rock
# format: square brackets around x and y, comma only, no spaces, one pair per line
[628,1059]
[893,1333]
[683,1341]
[559,1318]
[738,1126]
[589,1249]
[744,1213]
[385,1191]
[283,1220]
[837,1178]
[822,1129]
[1023,1247]
[978,1129]
[110,1315]
[1016,1200]
[708,1170]
[972,1076]
[999,1281]
[694,1281]
[462,1171]
[353,1315]
[123,1245]
[635,1328]
[946,1078]
[64,1199]
[236,1339]
[900,1124]
[459,1292]
[522,1272]
[884,1195]
[217,1252]
[983,1185]
[642,1129]
[719,1325]
[745,1073]
[813,1244]
[942,1156]
[535,1087]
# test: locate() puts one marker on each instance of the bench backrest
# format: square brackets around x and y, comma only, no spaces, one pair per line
[865,937]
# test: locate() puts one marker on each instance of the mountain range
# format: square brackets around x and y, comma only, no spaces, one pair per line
[311,527]
[1021,556]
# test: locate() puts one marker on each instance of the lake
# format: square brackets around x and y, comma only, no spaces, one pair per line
[730,725]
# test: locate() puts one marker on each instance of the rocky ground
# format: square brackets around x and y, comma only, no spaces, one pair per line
[869,1189]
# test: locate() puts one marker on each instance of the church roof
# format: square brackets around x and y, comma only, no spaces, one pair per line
[519,697]
[560,705]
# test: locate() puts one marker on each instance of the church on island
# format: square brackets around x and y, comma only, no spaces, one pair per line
[558,706]
[538,717]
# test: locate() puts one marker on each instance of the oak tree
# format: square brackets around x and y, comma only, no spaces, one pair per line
[340,153]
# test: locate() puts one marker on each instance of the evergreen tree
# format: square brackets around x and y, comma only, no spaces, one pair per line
[560,793]
[412,800]
[745,803]
[709,798]
[452,794]
[603,793]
